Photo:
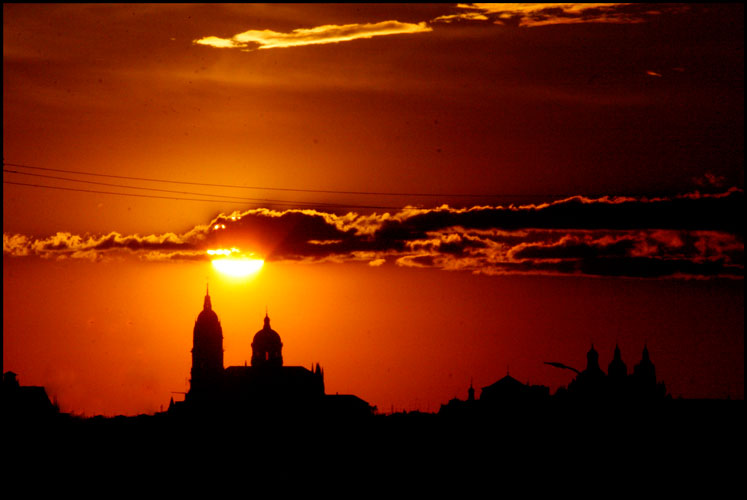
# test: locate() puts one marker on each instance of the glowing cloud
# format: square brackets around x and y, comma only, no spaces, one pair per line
[542,14]
[693,235]
[464,16]
[268,39]
[511,14]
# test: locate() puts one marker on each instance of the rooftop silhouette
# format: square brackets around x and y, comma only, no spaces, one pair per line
[589,386]
[265,388]
[269,388]
[25,402]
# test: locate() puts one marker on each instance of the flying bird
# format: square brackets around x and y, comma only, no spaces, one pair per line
[561,365]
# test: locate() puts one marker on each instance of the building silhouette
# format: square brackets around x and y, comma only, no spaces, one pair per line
[592,382]
[508,389]
[617,384]
[207,352]
[505,396]
[591,385]
[23,403]
[265,387]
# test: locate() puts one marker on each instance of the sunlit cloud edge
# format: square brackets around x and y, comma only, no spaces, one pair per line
[527,239]
[268,39]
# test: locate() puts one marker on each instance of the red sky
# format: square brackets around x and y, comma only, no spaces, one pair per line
[591,159]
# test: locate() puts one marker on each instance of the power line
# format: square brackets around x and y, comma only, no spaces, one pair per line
[251,200]
[291,204]
[326,191]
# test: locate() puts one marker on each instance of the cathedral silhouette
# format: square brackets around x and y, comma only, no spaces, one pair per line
[591,385]
[266,387]
[617,384]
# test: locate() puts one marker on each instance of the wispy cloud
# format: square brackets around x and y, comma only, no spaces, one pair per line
[541,14]
[268,39]
[508,14]
[462,16]
[689,236]
[66,245]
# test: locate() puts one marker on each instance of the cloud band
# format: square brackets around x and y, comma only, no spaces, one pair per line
[691,236]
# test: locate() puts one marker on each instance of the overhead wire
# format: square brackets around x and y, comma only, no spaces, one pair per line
[267,188]
[221,198]
[238,198]
[291,204]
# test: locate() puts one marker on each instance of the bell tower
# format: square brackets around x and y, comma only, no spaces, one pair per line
[207,350]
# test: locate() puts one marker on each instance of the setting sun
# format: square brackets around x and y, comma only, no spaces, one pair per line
[238,267]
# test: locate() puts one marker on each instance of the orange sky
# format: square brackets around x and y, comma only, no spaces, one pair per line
[598,123]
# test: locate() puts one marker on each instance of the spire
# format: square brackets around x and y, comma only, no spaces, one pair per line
[617,368]
[644,356]
[207,305]
[592,359]
[267,318]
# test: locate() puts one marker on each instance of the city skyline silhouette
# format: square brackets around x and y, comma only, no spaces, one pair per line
[266,388]
[418,195]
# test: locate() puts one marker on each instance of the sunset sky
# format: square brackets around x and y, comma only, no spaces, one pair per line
[440,193]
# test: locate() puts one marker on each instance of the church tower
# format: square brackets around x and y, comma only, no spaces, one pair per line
[207,350]
[590,383]
[617,369]
[644,375]
[592,363]
[267,349]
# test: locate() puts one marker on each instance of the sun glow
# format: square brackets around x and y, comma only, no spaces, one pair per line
[237,266]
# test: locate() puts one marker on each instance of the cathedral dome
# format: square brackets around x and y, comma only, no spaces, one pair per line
[267,335]
[267,347]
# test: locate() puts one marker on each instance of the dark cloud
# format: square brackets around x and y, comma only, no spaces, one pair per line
[642,267]
[694,235]
[691,212]
[573,247]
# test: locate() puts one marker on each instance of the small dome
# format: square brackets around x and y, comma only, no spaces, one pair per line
[267,347]
[267,336]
